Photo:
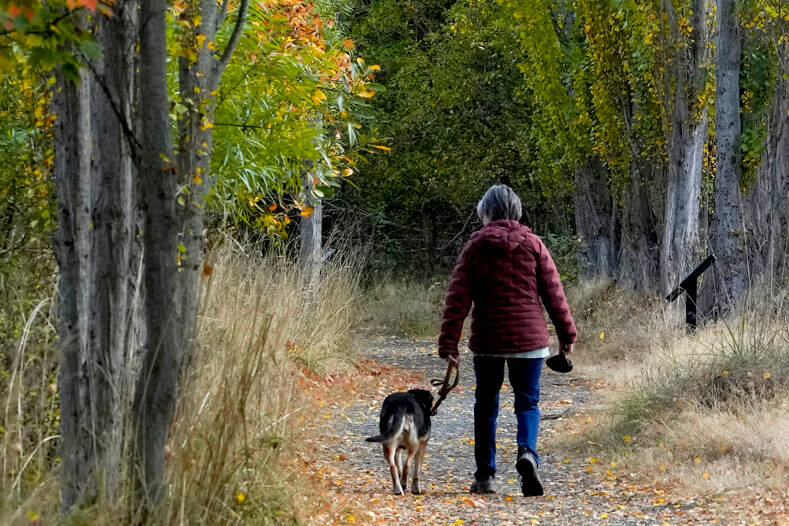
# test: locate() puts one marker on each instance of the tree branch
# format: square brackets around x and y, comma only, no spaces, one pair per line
[220,18]
[235,36]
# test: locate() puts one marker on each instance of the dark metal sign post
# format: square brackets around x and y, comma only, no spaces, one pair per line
[690,286]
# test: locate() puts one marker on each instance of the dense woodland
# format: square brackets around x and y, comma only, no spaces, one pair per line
[641,136]
[649,133]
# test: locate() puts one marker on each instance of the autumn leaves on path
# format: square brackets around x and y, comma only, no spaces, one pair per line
[579,490]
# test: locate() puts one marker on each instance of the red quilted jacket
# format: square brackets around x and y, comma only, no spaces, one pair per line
[507,273]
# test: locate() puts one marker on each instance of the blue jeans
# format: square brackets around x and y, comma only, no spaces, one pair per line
[525,381]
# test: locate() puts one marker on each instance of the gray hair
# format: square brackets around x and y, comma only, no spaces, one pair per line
[499,202]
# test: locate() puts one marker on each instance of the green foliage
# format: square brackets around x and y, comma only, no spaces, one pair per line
[27,279]
[766,26]
[45,35]
[457,119]
[293,98]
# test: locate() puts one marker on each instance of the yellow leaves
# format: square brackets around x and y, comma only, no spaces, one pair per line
[705,475]
[766,375]
[697,460]
[627,438]
[458,522]
[382,147]
[200,38]
[724,373]
[206,125]
[347,172]
[366,94]
[374,67]
[32,516]
[240,497]
[319,97]
[602,335]
[197,179]
[603,515]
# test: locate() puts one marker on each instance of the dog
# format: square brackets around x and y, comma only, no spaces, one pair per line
[405,424]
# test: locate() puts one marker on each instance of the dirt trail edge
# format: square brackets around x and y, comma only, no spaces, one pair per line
[578,490]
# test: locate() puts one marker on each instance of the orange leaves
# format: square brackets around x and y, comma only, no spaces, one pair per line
[474,503]
[306,211]
[76,4]
[302,19]
[348,44]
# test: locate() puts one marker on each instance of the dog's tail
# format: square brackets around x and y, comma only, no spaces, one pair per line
[394,426]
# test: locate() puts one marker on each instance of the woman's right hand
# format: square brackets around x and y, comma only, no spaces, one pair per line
[566,348]
[453,360]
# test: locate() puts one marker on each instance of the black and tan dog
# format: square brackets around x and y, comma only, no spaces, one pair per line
[405,424]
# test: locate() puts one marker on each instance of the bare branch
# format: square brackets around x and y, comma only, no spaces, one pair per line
[235,36]
[220,18]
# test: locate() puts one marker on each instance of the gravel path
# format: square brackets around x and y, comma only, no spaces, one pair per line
[578,490]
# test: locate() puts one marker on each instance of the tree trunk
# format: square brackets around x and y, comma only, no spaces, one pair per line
[71,103]
[680,247]
[595,221]
[767,221]
[97,252]
[311,232]
[197,83]
[728,240]
[114,173]
[688,134]
[638,254]
[157,382]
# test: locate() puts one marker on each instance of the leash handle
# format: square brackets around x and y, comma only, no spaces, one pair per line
[446,386]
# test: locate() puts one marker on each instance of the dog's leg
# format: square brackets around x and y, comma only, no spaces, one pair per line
[390,454]
[400,460]
[406,465]
[416,489]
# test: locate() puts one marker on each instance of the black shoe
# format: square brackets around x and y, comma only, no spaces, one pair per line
[482,486]
[527,467]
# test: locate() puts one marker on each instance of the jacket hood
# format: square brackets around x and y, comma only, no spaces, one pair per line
[505,233]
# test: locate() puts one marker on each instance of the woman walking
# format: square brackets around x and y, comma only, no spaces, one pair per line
[506,272]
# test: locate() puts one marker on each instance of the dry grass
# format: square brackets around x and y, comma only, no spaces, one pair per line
[261,331]
[704,411]
[405,308]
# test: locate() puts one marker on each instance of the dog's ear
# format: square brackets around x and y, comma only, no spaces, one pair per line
[425,398]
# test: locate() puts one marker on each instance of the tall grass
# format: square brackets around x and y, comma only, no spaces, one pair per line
[707,409]
[262,329]
[405,308]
